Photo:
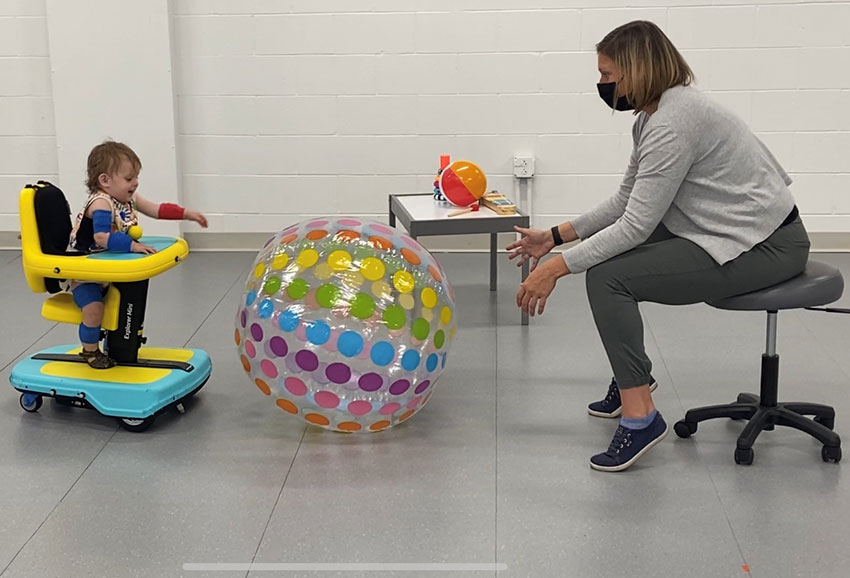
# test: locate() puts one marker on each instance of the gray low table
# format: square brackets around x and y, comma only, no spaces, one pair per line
[421,215]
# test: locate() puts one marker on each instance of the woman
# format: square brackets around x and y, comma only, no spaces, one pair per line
[703,212]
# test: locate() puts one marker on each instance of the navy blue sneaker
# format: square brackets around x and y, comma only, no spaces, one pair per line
[629,445]
[611,405]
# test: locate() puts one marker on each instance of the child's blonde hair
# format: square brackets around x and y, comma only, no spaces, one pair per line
[646,57]
[106,158]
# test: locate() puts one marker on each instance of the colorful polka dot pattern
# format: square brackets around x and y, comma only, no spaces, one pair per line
[345,323]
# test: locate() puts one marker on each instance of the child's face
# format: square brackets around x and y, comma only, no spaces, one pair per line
[121,184]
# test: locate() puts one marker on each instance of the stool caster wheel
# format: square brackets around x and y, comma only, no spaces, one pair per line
[136,425]
[827,422]
[744,457]
[685,429]
[831,454]
[30,402]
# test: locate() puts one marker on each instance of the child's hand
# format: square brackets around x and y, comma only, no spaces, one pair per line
[197,217]
[137,247]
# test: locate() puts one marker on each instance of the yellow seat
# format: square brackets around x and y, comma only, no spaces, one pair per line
[61,308]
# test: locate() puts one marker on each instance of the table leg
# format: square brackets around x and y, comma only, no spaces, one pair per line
[524,277]
[494,241]
[392,215]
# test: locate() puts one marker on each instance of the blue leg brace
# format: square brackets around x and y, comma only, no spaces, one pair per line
[87,293]
[89,334]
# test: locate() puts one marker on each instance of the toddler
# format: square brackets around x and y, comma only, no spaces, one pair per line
[103,224]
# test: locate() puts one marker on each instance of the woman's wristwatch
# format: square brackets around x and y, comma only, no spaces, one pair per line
[556,235]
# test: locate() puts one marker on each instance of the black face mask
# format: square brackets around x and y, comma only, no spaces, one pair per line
[606,92]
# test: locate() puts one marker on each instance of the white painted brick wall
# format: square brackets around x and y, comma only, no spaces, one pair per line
[27,133]
[355,99]
[291,108]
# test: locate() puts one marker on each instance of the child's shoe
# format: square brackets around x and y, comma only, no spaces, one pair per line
[97,359]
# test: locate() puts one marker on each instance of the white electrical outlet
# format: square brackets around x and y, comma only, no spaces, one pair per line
[524,167]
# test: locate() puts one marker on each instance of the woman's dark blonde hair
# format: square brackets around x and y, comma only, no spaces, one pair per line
[106,158]
[647,59]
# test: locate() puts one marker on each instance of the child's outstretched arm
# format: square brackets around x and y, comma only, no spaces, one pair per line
[169,211]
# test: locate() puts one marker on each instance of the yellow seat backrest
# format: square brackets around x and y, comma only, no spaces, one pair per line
[30,243]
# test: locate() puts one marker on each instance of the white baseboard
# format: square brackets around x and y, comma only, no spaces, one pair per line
[822,242]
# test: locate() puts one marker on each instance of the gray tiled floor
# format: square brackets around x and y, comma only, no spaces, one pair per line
[493,472]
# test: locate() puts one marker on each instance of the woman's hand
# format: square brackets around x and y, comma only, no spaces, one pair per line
[195,216]
[535,290]
[137,247]
[534,245]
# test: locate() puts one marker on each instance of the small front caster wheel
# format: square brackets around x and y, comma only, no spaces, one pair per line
[744,457]
[831,454]
[136,425]
[30,402]
[685,429]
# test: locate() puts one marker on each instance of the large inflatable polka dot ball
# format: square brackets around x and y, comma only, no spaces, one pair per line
[346,323]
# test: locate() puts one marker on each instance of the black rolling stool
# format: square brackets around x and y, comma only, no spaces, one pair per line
[819,284]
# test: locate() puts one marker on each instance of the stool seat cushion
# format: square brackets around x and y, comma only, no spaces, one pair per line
[818,284]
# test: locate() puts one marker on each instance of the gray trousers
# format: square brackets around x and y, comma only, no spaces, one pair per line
[670,270]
